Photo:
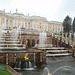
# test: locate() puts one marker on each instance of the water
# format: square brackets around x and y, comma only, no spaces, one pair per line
[42,38]
[46,71]
[7,60]
[55,68]
[30,64]
[23,65]
[64,70]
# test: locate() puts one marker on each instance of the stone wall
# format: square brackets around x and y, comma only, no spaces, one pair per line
[20,56]
[34,37]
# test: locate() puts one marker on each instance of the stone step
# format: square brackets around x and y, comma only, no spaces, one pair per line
[61,54]
[52,48]
[9,41]
[8,37]
[10,44]
[11,48]
[57,50]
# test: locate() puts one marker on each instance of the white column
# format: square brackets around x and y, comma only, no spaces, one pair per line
[24,24]
[5,21]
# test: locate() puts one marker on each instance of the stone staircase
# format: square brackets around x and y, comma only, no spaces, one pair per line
[57,51]
[10,41]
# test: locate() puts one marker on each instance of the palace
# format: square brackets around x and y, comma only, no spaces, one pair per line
[29,22]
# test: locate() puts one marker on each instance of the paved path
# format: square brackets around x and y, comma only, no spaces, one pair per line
[57,59]
[12,71]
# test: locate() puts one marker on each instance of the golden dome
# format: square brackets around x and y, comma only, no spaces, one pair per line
[16,10]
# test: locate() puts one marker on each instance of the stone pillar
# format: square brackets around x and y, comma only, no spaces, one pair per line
[37,59]
[11,59]
[44,57]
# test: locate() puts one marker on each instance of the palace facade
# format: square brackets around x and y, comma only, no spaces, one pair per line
[29,22]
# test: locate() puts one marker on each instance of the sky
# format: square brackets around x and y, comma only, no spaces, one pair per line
[53,10]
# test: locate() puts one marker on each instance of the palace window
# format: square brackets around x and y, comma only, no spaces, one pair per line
[19,23]
[37,26]
[6,20]
[2,19]
[40,27]
[37,23]
[10,22]
[28,22]
[15,22]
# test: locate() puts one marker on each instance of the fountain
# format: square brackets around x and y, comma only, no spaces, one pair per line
[64,70]
[46,71]
[42,41]
[25,64]
[10,41]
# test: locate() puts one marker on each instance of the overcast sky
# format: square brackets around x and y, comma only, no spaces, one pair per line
[53,10]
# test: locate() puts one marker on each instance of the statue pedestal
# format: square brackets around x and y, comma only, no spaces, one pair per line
[49,74]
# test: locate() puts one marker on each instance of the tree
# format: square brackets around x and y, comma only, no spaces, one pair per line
[67,24]
[74,25]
